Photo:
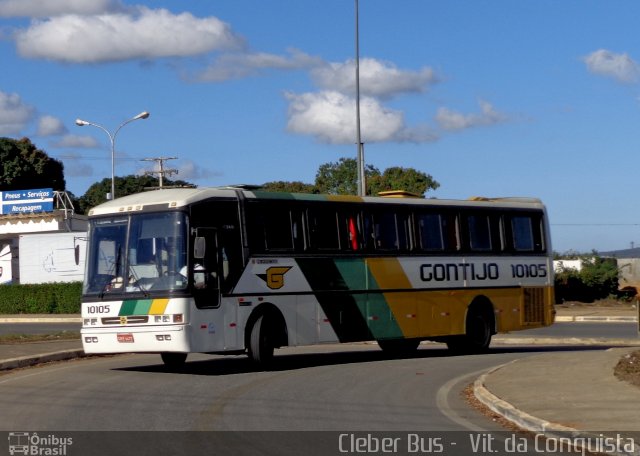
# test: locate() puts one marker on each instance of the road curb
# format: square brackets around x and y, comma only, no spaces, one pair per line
[41,320]
[529,422]
[595,318]
[568,341]
[32,360]
[510,412]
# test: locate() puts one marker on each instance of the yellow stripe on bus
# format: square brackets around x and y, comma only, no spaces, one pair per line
[158,306]
[389,275]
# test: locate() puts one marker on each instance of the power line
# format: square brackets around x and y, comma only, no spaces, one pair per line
[595,224]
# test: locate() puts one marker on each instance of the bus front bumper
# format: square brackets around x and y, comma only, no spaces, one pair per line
[153,339]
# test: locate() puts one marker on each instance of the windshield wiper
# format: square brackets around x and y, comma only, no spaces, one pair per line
[136,282]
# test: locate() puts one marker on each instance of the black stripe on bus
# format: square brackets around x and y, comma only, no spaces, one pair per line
[337,302]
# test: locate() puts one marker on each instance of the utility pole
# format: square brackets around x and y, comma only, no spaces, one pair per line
[161,172]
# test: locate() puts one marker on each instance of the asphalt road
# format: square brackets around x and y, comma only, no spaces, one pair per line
[338,389]
[354,388]
[37,328]
[315,388]
[583,330]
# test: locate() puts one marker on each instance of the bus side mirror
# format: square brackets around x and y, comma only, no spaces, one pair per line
[199,247]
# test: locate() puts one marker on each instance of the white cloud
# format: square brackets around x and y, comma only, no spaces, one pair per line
[620,67]
[189,170]
[14,114]
[330,117]
[454,121]
[330,114]
[236,66]
[115,37]
[50,126]
[77,141]
[377,78]
[48,8]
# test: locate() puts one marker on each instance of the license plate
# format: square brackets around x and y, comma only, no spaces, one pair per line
[125,338]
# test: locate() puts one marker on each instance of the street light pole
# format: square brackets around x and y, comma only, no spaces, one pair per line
[362,185]
[112,138]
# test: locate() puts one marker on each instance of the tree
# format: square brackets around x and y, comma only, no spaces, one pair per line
[23,166]
[97,193]
[341,177]
[290,187]
[397,178]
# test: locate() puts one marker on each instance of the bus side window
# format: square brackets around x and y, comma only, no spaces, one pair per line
[438,232]
[451,225]
[277,228]
[522,232]
[351,231]
[479,232]
[283,229]
[430,231]
[323,229]
[386,232]
[527,233]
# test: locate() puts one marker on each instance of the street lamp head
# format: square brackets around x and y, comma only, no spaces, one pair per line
[112,138]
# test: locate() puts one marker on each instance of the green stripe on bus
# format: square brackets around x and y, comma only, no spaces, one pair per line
[353,273]
[373,306]
[135,307]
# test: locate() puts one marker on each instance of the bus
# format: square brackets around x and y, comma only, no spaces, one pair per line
[235,270]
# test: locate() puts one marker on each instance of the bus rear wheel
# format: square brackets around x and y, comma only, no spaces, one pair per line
[173,360]
[477,337]
[261,342]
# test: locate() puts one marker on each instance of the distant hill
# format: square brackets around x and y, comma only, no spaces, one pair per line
[625,253]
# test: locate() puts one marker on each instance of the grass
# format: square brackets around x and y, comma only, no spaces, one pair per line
[22,338]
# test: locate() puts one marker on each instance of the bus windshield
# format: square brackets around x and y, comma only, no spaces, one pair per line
[138,253]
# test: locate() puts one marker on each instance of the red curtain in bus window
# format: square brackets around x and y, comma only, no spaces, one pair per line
[353,234]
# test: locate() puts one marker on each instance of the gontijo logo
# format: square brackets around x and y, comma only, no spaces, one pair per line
[274,276]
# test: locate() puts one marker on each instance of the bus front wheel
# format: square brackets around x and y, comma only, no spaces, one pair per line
[261,342]
[173,360]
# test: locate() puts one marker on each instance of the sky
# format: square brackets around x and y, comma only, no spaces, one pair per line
[534,98]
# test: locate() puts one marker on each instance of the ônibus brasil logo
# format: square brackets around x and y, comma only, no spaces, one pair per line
[30,443]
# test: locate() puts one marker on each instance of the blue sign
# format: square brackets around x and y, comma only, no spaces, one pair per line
[26,201]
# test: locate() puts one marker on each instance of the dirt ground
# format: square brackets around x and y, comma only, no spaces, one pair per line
[628,368]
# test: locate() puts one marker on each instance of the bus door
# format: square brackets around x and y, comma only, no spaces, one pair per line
[206,268]
[210,271]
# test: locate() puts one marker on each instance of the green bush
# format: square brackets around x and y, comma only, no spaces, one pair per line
[45,298]
[598,279]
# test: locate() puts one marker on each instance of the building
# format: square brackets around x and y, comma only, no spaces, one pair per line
[40,236]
